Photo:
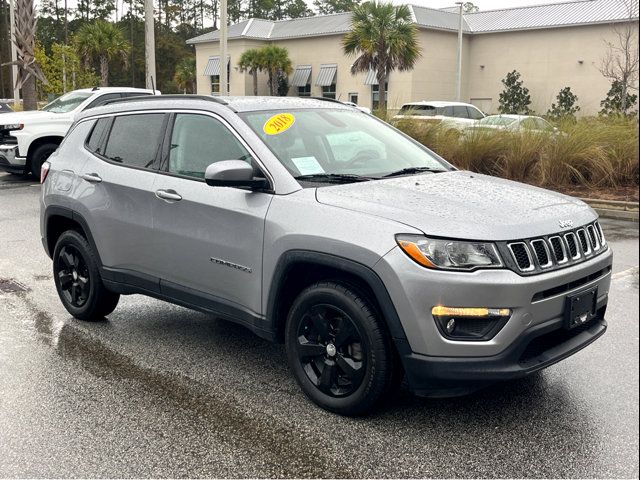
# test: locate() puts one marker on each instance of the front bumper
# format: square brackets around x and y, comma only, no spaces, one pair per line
[540,347]
[10,161]
[437,366]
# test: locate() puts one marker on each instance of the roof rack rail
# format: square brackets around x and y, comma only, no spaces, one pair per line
[325,99]
[149,98]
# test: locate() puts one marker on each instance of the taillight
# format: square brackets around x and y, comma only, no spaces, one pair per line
[44,171]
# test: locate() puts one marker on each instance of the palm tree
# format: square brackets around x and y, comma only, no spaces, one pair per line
[251,62]
[185,76]
[105,41]
[384,39]
[275,59]
[25,42]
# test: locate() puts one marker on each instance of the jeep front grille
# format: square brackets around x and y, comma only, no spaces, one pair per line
[546,253]
[522,256]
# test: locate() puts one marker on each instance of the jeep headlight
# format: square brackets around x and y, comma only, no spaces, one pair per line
[450,254]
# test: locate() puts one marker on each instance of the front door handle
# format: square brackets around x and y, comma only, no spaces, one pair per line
[170,195]
[91,177]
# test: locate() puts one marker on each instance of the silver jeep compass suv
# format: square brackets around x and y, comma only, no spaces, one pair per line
[315,224]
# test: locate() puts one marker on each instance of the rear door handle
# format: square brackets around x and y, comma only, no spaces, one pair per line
[91,177]
[170,195]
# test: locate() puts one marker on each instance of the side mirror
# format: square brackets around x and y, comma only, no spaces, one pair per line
[233,173]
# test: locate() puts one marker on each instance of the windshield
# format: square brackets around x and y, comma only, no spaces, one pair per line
[497,120]
[67,103]
[339,142]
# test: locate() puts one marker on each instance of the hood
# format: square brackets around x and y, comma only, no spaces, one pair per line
[24,117]
[461,205]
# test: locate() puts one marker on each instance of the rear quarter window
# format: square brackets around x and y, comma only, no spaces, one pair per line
[95,141]
[134,140]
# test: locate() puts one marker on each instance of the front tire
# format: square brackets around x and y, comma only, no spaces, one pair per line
[78,281]
[338,349]
[40,155]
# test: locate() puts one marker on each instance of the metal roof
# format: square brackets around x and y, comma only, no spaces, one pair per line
[553,15]
[579,12]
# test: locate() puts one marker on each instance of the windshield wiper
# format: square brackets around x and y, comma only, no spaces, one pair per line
[333,177]
[412,170]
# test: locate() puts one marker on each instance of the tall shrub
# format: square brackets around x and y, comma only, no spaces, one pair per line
[515,97]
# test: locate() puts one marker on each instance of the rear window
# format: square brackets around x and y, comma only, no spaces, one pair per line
[134,139]
[418,110]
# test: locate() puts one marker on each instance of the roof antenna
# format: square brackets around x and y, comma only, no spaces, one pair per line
[153,85]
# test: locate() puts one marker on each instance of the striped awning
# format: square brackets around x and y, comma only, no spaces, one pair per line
[327,75]
[372,78]
[301,76]
[213,66]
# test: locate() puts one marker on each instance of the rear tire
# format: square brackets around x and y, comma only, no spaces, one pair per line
[338,349]
[40,155]
[78,281]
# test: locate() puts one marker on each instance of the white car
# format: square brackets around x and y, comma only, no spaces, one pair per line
[456,115]
[514,123]
[27,139]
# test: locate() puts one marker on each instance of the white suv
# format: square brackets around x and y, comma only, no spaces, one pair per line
[454,114]
[27,139]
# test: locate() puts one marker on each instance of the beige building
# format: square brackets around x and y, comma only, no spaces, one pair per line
[552,46]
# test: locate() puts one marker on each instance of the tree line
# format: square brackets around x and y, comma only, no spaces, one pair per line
[118,28]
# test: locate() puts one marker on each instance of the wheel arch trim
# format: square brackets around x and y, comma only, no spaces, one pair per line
[57,211]
[291,258]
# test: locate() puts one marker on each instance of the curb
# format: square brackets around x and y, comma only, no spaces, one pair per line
[614,209]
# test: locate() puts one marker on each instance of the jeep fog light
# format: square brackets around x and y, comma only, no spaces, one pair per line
[464,323]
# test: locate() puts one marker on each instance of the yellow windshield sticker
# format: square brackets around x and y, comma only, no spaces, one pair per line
[279,123]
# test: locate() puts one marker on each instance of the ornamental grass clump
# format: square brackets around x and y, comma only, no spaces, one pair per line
[597,152]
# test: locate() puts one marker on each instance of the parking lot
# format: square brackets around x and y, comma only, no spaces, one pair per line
[162,391]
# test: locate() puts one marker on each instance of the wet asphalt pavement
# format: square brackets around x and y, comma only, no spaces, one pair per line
[160,391]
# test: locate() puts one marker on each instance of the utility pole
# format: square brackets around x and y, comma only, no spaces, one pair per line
[14,52]
[459,70]
[224,76]
[149,45]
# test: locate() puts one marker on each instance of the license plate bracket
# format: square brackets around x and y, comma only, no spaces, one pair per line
[580,308]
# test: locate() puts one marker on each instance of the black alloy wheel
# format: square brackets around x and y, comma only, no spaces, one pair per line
[339,349]
[77,277]
[73,276]
[330,349]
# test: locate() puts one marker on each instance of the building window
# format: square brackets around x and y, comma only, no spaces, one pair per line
[329,91]
[215,82]
[375,95]
[304,91]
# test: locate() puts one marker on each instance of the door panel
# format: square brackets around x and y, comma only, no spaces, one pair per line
[208,239]
[211,240]
[121,198]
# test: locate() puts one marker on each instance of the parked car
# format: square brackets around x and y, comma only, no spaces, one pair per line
[455,115]
[5,107]
[368,255]
[514,123]
[28,138]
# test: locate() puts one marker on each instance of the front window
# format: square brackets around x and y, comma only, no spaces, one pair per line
[329,91]
[497,121]
[67,103]
[327,142]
